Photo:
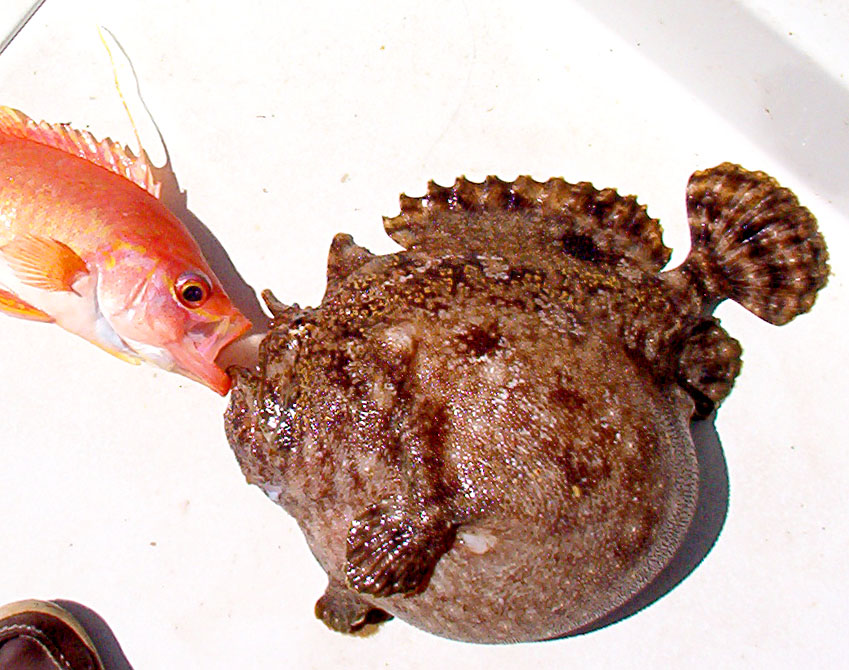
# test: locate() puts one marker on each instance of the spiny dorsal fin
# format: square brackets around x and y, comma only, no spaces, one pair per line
[526,221]
[105,153]
[345,257]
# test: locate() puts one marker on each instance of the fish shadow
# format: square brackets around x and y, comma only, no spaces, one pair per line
[709,518]
[242,294]
[100,633]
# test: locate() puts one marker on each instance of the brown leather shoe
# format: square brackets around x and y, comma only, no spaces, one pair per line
[40,635]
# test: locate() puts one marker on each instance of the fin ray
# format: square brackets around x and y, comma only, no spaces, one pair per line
[391,550]
[525,221]
[754,243]
[43,263]
[13,306]
[81,143]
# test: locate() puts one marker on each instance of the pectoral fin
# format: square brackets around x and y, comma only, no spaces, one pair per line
[13,306]
[43,263]
[392,549]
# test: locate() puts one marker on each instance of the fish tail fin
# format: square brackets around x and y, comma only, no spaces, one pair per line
[754,243]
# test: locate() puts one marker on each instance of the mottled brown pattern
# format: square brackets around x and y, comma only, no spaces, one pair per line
[487,434]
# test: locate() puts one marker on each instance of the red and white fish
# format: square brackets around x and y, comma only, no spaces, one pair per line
[86,243]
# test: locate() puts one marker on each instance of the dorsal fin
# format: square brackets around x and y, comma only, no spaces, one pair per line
[527,221]
[105,153]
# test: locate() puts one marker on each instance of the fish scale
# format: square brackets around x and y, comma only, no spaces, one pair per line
[87,244]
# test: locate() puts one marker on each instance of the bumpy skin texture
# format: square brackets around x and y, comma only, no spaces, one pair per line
[487,434]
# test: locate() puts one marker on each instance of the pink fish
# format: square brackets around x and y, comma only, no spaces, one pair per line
[86,243]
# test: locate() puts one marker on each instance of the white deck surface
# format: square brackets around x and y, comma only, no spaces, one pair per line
[288,122]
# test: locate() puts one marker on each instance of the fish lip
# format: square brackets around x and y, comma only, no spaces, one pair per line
[197,361]
[226,332]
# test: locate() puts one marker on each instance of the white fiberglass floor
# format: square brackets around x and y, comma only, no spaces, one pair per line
[287,122]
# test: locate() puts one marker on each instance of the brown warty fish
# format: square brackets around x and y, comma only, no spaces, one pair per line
[487,434]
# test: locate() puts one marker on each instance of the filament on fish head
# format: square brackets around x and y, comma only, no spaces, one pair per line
[123,72]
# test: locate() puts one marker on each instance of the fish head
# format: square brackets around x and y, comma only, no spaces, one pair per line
[175,314]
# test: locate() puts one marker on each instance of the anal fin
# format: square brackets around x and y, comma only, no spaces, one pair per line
[708,365]
[13,306]
[394,549]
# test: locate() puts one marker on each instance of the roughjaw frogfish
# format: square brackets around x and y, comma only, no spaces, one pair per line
[487,434]
[85,243]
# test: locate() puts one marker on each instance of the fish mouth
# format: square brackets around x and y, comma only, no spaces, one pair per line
[194,357]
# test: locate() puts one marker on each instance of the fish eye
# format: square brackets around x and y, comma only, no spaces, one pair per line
[192,289]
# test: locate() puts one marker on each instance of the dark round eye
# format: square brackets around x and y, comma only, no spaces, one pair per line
[192,289]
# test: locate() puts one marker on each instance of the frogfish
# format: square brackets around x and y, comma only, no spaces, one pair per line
[487,433]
